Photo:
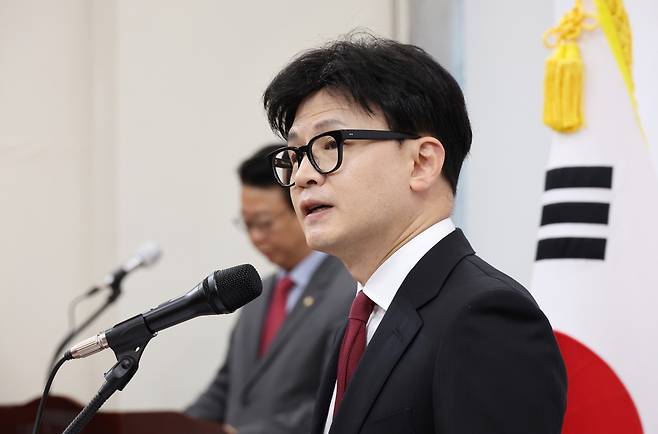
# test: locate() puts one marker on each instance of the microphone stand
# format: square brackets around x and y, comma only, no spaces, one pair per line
[115,286]
[128,356]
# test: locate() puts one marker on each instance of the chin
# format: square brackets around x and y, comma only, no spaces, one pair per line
[317,240]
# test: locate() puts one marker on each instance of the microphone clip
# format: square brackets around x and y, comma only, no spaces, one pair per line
[114,283]
[128,340]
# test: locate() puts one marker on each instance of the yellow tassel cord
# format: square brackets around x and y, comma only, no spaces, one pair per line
[563,80]
[614,22]
[617,29]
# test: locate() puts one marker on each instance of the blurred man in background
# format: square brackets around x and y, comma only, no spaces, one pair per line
[278,347]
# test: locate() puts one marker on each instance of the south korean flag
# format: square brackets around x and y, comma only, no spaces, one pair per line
[596,269]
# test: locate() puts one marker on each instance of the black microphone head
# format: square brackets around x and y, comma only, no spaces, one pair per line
[235,286]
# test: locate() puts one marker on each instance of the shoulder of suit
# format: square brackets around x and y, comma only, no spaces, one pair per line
[335,276]
[476,278]
[334,266]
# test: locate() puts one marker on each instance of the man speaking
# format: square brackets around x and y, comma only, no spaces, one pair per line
[437,340]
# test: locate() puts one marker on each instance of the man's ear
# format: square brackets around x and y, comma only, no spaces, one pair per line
[428,158]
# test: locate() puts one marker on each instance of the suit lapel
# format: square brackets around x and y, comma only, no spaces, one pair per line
[327,384]
[315,289]
[395,333]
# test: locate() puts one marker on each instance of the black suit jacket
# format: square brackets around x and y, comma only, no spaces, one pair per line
[463,349]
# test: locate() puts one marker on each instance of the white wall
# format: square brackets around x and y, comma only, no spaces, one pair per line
[47,226]
[123,121]
[503,84]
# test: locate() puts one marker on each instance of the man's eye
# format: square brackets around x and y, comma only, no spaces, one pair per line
[330,145]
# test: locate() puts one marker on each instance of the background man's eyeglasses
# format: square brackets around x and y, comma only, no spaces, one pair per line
[263,224]
[324,151]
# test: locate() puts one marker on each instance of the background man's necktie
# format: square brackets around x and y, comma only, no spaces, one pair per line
[276,313]
[354,344]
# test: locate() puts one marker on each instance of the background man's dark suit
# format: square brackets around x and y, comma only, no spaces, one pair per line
[462,349]
[272,394]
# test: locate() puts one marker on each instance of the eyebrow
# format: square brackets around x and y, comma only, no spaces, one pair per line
[318,126]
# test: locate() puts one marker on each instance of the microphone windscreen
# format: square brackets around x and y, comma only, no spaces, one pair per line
[238,285]
[149,253]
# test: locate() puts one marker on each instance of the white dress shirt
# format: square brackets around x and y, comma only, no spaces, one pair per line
[385,281]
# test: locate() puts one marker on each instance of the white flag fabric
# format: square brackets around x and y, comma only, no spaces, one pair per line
[596,270]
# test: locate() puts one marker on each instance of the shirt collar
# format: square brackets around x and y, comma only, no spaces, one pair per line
[385,281]
[302,272]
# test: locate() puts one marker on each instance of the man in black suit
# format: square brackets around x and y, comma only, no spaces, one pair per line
[437,340]
[268,382]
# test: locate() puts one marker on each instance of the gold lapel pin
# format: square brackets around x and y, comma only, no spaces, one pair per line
[308,301]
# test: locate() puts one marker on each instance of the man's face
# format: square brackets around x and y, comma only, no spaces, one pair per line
[363,201]
[272,226]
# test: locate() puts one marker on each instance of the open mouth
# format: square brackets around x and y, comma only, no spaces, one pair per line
[317,209]
[312,207]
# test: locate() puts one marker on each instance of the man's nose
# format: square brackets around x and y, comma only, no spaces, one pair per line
[257,235]
[307,175]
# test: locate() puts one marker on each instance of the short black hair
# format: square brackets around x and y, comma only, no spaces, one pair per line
[256,171]
[414,93]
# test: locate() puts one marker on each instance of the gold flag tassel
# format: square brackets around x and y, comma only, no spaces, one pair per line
[563,79]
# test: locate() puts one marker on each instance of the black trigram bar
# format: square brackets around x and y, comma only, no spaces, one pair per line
[579,177]
[575,212]
[571,248]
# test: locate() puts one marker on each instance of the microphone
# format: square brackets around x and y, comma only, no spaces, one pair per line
[148,254]
[220,292]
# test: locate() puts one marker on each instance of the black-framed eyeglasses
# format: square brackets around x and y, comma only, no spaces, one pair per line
[324,151]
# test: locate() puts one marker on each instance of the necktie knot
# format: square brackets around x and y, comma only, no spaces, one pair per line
[283,286]
[362,307]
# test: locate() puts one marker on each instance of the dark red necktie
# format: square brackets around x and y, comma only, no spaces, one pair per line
[276,313]
[353,345]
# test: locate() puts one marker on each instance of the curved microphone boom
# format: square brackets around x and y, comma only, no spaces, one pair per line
[220,292]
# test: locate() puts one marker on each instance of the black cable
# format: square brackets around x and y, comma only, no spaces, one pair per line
[42,404]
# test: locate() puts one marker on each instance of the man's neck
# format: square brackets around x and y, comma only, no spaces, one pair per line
[363,263]
[303,254]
